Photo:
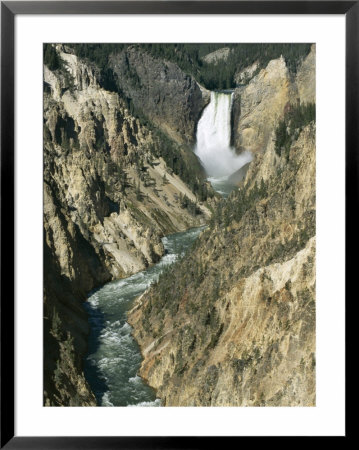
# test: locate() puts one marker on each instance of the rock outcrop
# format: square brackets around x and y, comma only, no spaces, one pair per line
[262,103]
[172,99]
[220,55]
[243,76]
[305,79]
[240,174]
[109,197]
[258,106]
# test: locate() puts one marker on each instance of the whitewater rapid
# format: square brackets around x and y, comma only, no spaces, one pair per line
[114,357]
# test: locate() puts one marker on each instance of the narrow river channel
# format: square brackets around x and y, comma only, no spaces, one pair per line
[114,357]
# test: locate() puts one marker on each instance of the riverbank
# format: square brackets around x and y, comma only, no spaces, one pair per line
[114,357]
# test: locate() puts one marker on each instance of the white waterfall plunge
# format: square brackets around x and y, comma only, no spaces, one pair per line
[214,138]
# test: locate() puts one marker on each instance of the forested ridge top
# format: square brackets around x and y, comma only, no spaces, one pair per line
[190,58]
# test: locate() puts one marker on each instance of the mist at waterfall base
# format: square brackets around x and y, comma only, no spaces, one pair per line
[213,145]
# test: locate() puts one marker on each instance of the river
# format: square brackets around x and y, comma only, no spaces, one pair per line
[114,357]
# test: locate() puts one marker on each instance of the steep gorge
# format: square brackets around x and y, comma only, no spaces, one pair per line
[233,324]
[113,186]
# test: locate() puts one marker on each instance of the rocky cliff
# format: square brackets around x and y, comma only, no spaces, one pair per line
[112,188]
[233,324]
[259,105]
[172,99]
[220,55]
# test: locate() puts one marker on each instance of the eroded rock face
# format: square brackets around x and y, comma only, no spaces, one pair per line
[170,98]
[262,103]
[259,106]
[220,55]
[306,79]
[109,197]
[242,76]
[239,328]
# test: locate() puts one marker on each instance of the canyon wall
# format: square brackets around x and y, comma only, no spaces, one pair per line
[259,105]
[172,99]
[233,324]
[113,187]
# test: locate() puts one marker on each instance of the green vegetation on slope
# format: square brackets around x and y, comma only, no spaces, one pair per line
[185,164]
[295,119]
[179,158]
[55,63]
[219,318]
[233,218]
[51,57]
[189,57]
[220,75]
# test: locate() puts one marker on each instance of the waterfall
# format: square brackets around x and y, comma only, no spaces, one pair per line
[214,138]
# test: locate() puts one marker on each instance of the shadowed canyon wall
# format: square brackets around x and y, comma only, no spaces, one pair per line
[112,188]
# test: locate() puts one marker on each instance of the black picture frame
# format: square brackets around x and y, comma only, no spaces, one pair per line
[8,12]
